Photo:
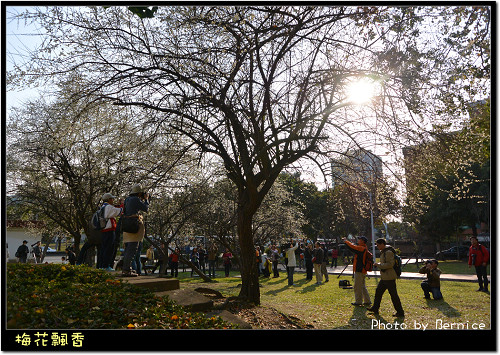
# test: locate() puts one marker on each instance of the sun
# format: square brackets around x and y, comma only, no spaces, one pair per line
[361,91]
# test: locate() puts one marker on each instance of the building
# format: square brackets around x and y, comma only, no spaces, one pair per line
[18,231]
[358,166]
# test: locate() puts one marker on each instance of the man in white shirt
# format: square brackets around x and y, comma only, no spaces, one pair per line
[292,261]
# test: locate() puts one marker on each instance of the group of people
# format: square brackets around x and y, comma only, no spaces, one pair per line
[388,275]
[23,252]
[316,259]
[108,239]
[36,252]
[198,256]
[294,253]
[478,257]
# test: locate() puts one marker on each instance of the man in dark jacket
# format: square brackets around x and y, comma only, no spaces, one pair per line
[308,255]
[479,257]
[22,252]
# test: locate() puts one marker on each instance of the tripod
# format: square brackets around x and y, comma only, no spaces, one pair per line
[345,267]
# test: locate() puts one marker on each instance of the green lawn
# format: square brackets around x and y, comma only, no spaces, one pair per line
[329,307]
[57,296]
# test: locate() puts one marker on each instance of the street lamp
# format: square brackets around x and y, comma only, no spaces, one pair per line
[361,92]
[373,228]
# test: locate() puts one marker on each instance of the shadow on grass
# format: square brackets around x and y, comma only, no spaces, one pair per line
[298,284]
[444,307]
[360,320]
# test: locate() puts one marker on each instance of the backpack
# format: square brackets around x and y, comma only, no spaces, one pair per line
[397,262]
[345,284]
[368,261]
[397,265]
[98,221]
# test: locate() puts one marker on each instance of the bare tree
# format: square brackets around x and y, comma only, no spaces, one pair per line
[64,157]
[260,87]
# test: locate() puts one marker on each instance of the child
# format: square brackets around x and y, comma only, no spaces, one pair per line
[432,284]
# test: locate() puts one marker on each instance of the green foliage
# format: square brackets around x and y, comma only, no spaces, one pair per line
[314,204]
[55,296]
[143,12]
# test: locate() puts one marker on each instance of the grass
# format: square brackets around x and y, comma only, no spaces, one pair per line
[56,296]
[327,306]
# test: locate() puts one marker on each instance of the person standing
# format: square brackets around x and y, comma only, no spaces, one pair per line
[479,257]
[150,255]
[335,255]
[308,255]
[324,270]
[258,259]
[212,255]
[22,252]
[71,256]
[174,262]
[275,257]
[106,251]
[37,251]
[432,284]
[160,260]
[136,202]
[301,256]
[388,278]
[195,259]
[226,257]
[202,259]
[317,261]
[361,295]
[292,261]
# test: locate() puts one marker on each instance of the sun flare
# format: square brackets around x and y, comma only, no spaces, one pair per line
[361,91]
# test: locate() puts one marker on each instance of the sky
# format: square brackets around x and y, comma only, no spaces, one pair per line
[20,38]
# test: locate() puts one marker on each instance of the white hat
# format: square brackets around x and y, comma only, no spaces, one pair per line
[107,196]
[136,189]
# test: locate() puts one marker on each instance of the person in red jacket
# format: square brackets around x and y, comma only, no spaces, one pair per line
[360,291]
[174,262]
[479,257]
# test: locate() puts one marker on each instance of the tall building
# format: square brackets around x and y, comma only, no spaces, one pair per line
[358,166]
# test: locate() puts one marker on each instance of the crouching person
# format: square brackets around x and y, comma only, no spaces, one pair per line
[432,284]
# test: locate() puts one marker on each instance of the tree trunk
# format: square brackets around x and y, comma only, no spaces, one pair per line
[249,274]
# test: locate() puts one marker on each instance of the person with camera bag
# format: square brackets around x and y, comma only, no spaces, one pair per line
[133,226]
[22,252]
[432,284]
[105,252]
[388,278]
